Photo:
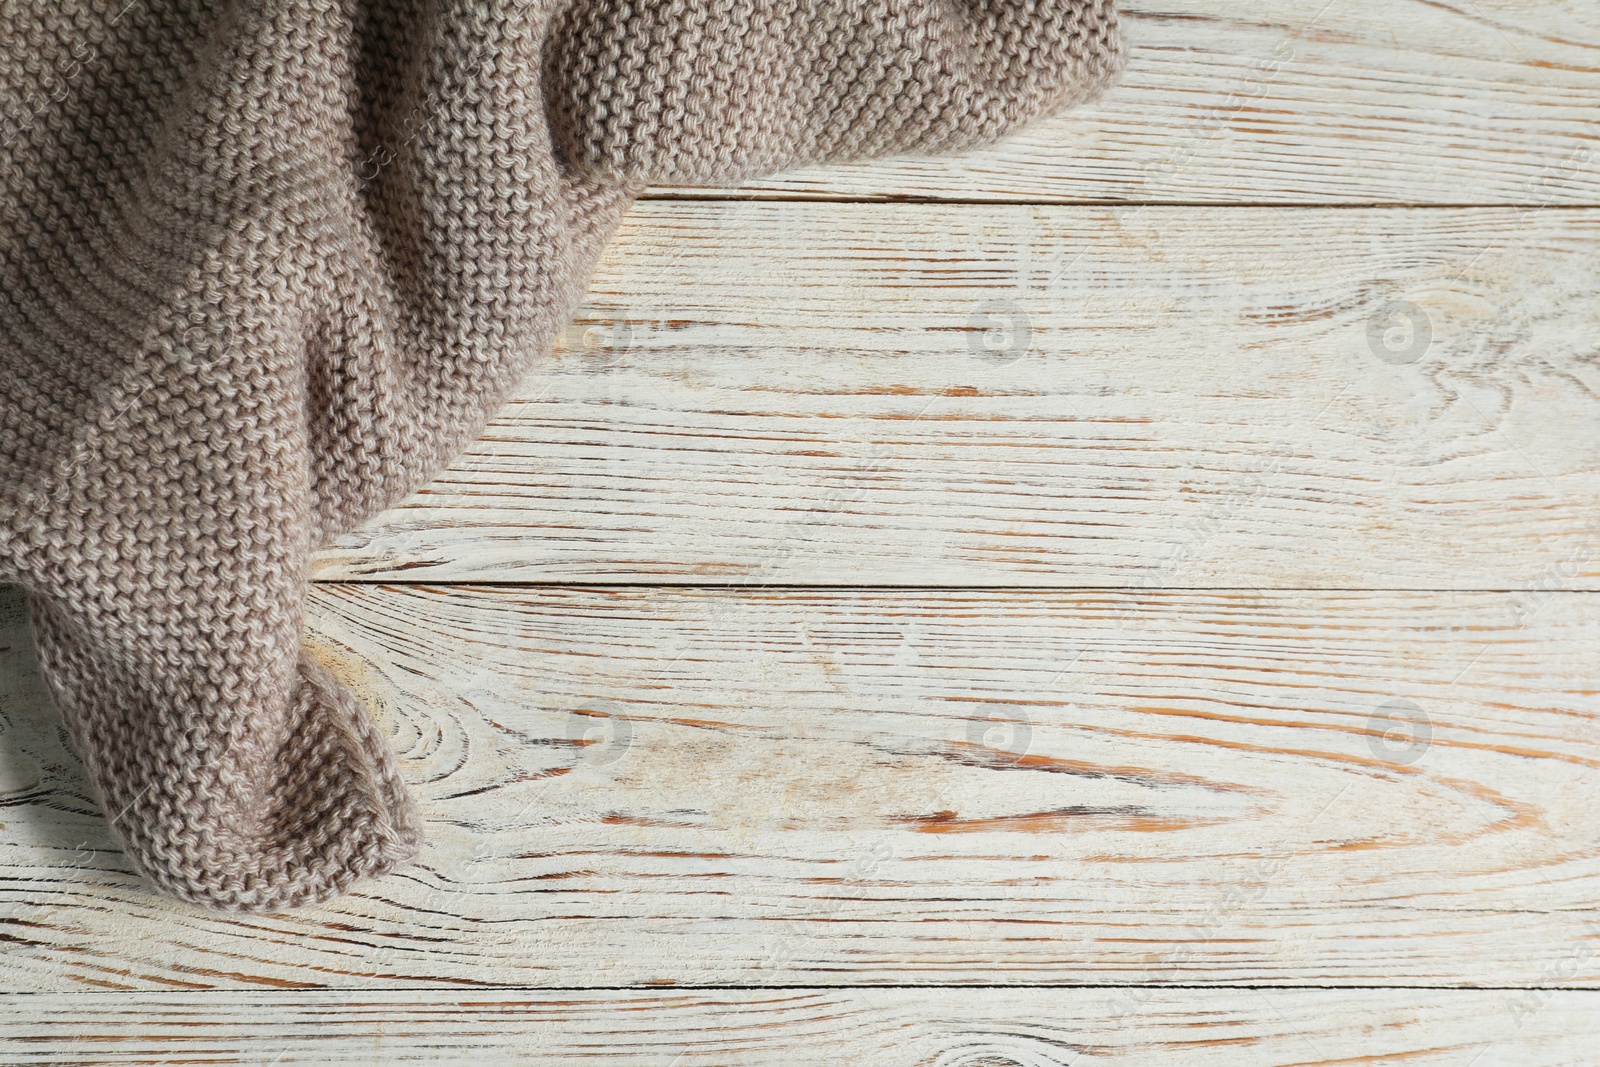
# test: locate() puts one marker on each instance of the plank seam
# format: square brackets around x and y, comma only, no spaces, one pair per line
[488,990]
[781,587]
[1265,205]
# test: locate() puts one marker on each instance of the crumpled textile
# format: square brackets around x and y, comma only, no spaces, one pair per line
[266,267]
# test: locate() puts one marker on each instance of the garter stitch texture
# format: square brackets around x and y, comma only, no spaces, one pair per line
[267,265]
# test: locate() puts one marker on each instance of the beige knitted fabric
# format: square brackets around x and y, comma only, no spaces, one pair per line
[267,266]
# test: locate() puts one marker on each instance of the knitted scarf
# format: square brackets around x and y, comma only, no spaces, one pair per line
[268,265]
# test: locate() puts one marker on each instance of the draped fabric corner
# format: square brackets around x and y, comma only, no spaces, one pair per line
[266,267]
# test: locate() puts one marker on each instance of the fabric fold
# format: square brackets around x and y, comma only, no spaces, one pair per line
[715,93]
[286,804]
[266,267]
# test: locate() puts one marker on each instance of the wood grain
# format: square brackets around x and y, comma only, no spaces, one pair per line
[820,1027]
[1300,101]
[1192,397]
[912,791]
[736,788]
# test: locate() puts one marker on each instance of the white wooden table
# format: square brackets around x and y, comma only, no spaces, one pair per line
[1126,597]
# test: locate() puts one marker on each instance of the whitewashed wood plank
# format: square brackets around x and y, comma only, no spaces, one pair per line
[821,1027]
[1302,101]
[704,787]
[812,394]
